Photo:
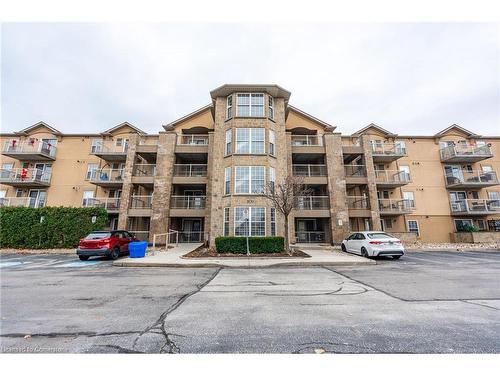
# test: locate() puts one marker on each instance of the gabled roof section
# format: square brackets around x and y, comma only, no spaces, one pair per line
[316,120]
[29,129]
[123,125]
[172,125]
[374,127]
[271,89]
[458,128]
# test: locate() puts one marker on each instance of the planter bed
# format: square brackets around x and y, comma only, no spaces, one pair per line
[203,252]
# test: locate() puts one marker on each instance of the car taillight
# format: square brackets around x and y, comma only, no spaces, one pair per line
[105,242]
[396,241]
[375,242]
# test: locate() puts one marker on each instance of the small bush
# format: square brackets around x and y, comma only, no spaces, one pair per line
[257,245]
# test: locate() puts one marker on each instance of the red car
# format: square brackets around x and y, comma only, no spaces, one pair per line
[105,243]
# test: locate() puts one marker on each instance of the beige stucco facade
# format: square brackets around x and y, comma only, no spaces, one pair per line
[194,179]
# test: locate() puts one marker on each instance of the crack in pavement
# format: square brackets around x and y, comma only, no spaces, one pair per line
[158,327]
[120,349]
[479,304]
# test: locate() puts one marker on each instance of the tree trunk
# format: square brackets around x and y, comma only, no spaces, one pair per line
[287,243]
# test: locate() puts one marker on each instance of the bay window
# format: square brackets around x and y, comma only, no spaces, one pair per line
[272,177]
[227,180]
[226,221]
[250,140]
[250,105]
[273,221]
[271,108]
[227,149]
[271,142]
[249,180]
[249,221]
[229,107]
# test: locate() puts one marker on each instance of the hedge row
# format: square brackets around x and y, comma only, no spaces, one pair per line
[257,245]
[61,227]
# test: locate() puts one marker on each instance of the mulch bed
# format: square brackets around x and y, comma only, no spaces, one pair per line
[203,252]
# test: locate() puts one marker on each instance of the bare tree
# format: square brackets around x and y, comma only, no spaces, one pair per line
[284,197]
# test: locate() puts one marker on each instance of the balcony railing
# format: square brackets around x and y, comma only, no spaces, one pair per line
[355,170]
[144,170]
[109,147]
[107,175]
[472,177]
[396,206]
[190,170]
[192,139]
[388,149]
[191,237]
[307,140]
[392,176]
[22,202]
[358,202]
[465,151]
[30,146]
[190,202]
[24,175]
[475,206]
[312,203]
[309,237]
[309,170]
[110,204]
[141,201]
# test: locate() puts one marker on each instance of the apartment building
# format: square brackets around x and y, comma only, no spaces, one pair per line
[203,174]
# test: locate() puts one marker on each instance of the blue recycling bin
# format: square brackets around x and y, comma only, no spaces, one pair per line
[137,249]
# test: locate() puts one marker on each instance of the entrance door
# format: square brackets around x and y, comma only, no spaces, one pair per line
[42,172]
[458,200]
[191,230]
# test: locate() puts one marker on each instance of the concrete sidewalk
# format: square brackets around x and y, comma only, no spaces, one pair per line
[173,258]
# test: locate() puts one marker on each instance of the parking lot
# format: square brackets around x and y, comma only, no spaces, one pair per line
[426,302]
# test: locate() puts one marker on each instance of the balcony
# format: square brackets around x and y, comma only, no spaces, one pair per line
[140,205]
[475,207]
[192,143]
[391,178]
[355,175]
[306,144]
[465,154]
[22,202]
[110,151]
[33,150]
[394,207]
[187,205]
[312,173]
[25,177]
[110,178]
[471,179]
[190,174]
[359,206]
[313,206]
[112,205]
[143,174]
[387,152]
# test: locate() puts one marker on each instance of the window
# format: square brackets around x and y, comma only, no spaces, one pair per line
[409,199]
[250,105]
[400,147]
[468,168]
[413,227]
[493,195]
[487,168]
[475,194]
[87,198]
[250,141]
[96,146]
[119,142]
[6,170]
[273,222]
[19,193]
[271,142]
[226,221]
[227,180]
[227,150]
[229,107]
[271,108]
[481,224]
[249,221]
[463,225]
[91,171]
[249,180]
[272,177]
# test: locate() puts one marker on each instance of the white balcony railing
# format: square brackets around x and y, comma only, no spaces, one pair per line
[388,149]
[471,177]
[190,202]
[312,203]
[396,205]
[309,170]
[307,140]
[22,202]
[24,175]
[475,206]
[360,202]
[192,139]
[190,170]
[107,175]
[141,201]
[392,176]
[109,147]
[466,151]
[144,170]
[30,146]
[110,204]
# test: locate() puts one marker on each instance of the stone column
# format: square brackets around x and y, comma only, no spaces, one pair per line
[208,194]
[372,185]
[339,213]
[165,160]
[127,186]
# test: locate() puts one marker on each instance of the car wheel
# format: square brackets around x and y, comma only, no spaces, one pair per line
[396,256]
[343,248]
[115,253]
[364,252]
[83,257]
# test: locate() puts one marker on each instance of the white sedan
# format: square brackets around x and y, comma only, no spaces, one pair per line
[372,244]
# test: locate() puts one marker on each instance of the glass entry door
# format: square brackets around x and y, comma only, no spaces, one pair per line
[191,231]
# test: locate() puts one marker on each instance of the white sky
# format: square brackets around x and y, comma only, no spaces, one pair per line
[408,78]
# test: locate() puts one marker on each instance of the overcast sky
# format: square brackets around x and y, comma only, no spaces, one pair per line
[408,78]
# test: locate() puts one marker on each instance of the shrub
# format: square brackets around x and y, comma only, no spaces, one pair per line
[62,227]
[257,245]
